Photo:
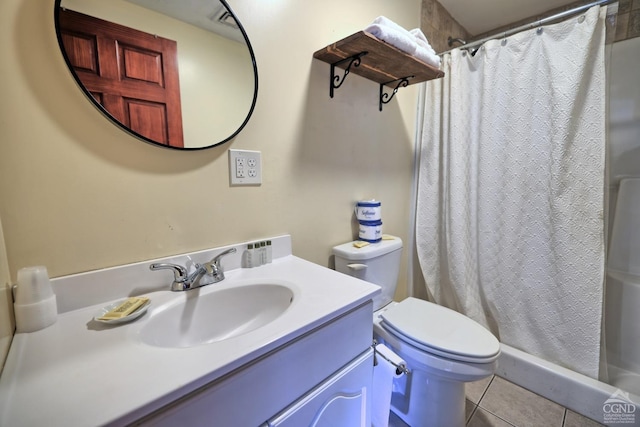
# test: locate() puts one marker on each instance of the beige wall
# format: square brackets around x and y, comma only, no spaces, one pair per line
[77,194]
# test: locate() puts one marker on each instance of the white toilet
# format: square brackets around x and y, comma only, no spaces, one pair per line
[443,349]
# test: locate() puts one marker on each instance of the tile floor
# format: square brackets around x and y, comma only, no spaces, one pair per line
[496,402]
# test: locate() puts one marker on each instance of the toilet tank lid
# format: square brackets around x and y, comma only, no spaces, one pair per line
[373,250]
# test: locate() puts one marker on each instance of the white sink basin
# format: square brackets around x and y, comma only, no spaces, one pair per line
[198,319]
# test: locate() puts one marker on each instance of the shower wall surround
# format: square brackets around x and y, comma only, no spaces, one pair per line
[628,24]
[624,124]
[438,25]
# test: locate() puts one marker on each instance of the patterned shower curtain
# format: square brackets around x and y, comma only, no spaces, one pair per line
[509,225]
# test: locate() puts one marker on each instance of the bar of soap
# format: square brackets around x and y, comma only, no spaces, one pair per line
[360,244]
[387,237]
[125,309]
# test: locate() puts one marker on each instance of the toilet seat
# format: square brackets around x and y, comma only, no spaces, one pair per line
[441,331]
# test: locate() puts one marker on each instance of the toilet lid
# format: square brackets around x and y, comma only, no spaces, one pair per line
[442,331]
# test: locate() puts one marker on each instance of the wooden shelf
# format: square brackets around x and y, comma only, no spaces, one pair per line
[383,63]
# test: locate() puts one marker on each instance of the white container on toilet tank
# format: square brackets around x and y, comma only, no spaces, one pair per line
[377,263]
[368,210]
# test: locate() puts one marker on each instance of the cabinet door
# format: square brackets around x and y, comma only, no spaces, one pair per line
[342,400]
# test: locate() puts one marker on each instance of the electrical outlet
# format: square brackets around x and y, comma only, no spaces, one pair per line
[245,167]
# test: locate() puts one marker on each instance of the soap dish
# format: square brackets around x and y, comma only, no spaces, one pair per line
[133,316]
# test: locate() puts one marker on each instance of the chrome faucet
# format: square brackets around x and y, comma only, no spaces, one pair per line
[204,274]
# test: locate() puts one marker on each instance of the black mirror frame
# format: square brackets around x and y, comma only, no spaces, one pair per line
[109,116]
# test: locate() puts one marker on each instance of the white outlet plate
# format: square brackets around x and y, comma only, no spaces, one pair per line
[245,167]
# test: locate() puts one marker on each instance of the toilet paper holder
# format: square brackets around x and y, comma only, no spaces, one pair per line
[400,368]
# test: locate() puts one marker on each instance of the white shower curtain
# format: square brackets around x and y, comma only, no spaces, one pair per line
[509,225]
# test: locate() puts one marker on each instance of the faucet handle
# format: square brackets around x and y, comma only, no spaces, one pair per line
[213,267]
[180,274]
[216,260]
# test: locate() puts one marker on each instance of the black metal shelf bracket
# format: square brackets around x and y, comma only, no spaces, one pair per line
[336,81]
[385,98]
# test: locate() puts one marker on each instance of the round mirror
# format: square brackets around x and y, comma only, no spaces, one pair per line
[173,73]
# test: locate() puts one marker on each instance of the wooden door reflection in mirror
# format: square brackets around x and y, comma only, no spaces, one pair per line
[132,74]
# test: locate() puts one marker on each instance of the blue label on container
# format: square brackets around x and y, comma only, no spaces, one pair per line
[371,204]
[371,240]
[371,223]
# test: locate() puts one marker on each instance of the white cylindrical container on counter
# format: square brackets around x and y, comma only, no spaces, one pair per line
[35,306]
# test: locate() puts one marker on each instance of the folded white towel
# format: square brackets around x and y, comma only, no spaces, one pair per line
[392,33]
[428,57]
[421,39]
[412,42]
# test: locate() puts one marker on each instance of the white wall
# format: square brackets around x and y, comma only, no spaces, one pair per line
[77,194]
[624,148]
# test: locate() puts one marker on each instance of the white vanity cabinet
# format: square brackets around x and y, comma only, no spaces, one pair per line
[322,378]
[310,365]
[342,400]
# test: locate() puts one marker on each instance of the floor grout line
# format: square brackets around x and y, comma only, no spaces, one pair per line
[493,377]
[499,417]
[475,408]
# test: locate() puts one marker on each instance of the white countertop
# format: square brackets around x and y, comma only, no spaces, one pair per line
[78,372]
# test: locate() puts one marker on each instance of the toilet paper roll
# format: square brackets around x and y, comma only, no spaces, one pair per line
[392,357]
[383,375]
[368,210]
[370,231]
[36,316]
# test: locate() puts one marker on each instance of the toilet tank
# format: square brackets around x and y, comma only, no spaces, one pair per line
[377,263]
